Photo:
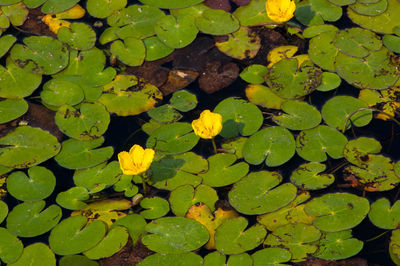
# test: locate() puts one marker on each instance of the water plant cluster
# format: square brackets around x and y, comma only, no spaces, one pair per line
[209,192]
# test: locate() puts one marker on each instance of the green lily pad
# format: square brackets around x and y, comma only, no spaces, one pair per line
[394,249]
[254,74]
[135,224]
[234,146]
[130,52]
[156,207]
[57,6]
[173,138]
[330,81]
[89,122]
[343,2]
[114,241]
[337,211]
[307,176]
[316,30]
[109,35]
[172,260]
[325,9]
[127,95]
[27,146]
[222,172]
[275,145]
[338,246]
[314,144]
[10,246]
[104,8]
[36,254]
[6,42]
[214,259]
[79,37]
[28,219]
[16,13]
[238,117]
[77,154]
[73,198]
[155,49]
[39,185]
[323,51]
[370,9]
[41,55]
[357,149]
[305,14]
[264,96]
[16,82]
[3,211]
[243,259]
[171,4]
[12,109]
[8,2]
[57,92]
[183,101]
[73,235]
[216,22]
[271,256]
[259,193]
[164,114]
[232,238]
[391,42]
[81,260]
[125,185]
[99,177]
[383,215]
[175,235]
[298,116]
[253,13]
[33,3]
[297,238]
[341,112]
[176,32]
[290,82]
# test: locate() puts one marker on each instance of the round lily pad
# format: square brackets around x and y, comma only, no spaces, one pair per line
[337,211]
[275,145]
[216,22]
[164,114]
[356,150]
[79,36]
[214,259]
[322,50]
[73,198]
[156,207]
[27,146]
[57,6]
[81,260]
[130,52]
[156,49]
[16,82]
[222,172]
[104,8]
[183,101]
[253,13]
[173,138]
[172,260]
[232,237]
[330,81]
[259,193]
[341,112]
[370,9]
[243,259]
[6,42]
[314,144]
[307,176]
[383,215]
[10,246]
[58,91]
[36,254]
[175,235]
[238,117]
[254,74]
[270,255]
[313,31]
[89,122]
[298,116]
[28,219]
[77,154]
[12,109]
[171,4]
[73,235]
[39,185]
[41,55]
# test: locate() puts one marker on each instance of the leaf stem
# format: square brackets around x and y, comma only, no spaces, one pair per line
[144,183]
[214,146]
[376,237]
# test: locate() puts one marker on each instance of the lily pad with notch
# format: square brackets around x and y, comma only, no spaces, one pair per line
[126,185]
[330,81]
[254,74]
[104,8]
[57,6]
[260,192]
[252,14]
[12,109]
[383,215]
[264,96]
[79,36]
[130,52]
[156,49]
[155,207]
[216,22]
[370,9]
[73,198]
[357,150]
[183,101]
[298,116]
[164,114]
[322,50]
[234,146]
[271,256]
[6,42]
[10,246]
[36,254]
[308,176]
[176,32]
[135,224]
[58,91]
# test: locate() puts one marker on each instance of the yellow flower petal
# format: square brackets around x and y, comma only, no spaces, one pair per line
[280,10]
[126,163]
[137,161]
[208,125]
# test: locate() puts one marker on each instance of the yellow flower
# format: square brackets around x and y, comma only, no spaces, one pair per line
[137,161]
[280,10]
[208,125]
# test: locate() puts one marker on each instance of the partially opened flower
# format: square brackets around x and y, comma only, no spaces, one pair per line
[137,161]
[280,10]
[208,125]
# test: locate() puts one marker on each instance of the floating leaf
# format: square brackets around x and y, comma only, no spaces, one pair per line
[278,53]
[264,96]
[307,176]
[330,81]
[252,14]
[28,219]
[313,31]
[238,117]
[57,92]
[6,42]
[259,193]
[243,259]
[313,144]
[232,238]
[337,211]
[322,50]
[390,41]
[77,154]
[171,4]
[175,235]
[12,109]
[73,198]
[130,52]
[298,116]
[41,55]
[338,246]
[3,211]
[135,224]
[216,22]
[183,101]
[164,114]
[275,145]
[125,185]
[10,246]
[79,36]
[176,32]
[235,146]
[71,236]
[77,260]
[17,13]
[394,249]
[36,254]
[270,256]
[156,207]
[57,6]
[104,8]
[254,74]
[155,49]
[221,171]
[39,185]
[214,259]
[357,150]
[27,146]
[383,215]
[172,260]
[370,9]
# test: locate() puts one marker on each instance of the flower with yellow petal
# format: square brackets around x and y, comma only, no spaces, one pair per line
[208,125]
[137,161]
[280,10]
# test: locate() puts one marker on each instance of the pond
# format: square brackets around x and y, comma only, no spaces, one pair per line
[192,132]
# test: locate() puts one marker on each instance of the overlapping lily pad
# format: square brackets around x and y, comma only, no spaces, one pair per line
[73,198]
[264,96]
[10,246]
[36,254]
[130,52]
[172,259]
[307,176]
[6,42]
[80,36]
[155,207]
[383,215]
[217,22]
[58,91]
[298,116]
[104,8]
[11,109]
[271,256]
